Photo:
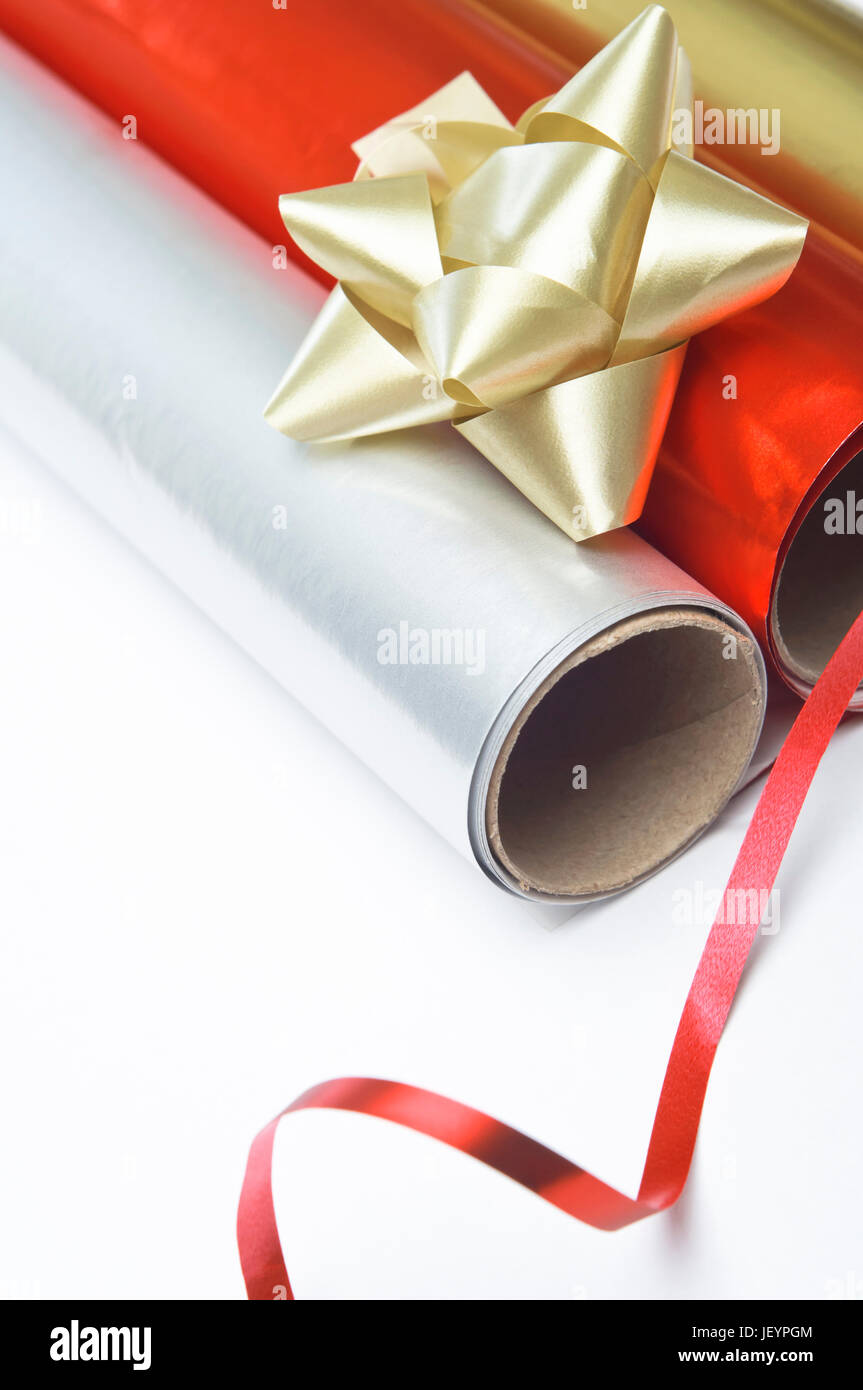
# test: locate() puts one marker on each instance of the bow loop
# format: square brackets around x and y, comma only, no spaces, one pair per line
[378,238]
[733,248]
[624,97]
[494,333]
[574,213]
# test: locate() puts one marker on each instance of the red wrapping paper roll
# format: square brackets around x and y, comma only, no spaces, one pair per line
[255,101]
[738,473]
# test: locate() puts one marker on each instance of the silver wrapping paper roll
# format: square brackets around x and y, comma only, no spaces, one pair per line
[571,716]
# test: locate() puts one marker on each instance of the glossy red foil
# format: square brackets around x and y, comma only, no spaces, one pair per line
[769,407]
[251,101]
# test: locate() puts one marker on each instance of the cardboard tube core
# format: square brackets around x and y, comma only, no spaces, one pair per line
[625,753]
[819,591]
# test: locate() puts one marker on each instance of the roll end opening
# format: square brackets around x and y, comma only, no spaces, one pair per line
[625,753]
[819,590]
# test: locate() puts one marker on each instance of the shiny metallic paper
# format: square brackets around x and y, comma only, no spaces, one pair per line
[139,329]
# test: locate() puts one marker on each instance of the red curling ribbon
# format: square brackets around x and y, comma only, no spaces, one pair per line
[675,1125]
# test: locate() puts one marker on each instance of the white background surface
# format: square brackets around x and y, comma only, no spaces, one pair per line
[209,905]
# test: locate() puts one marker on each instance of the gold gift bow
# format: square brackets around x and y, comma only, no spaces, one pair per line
[536,285]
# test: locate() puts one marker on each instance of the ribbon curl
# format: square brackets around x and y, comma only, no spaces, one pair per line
[552,1177]
[534,284]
